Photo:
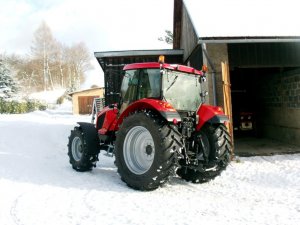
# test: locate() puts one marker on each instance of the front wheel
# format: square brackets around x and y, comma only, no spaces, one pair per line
[145,148]
[83,148]
[216,143]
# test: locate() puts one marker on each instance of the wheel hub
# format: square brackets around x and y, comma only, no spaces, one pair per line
[149,150]
[77,148]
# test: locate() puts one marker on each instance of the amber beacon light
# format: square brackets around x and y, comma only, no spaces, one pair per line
[161,59]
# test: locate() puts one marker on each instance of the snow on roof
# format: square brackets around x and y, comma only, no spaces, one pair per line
[233,18]
[86,90]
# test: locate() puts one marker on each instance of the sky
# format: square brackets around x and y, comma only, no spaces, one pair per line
[101,24]
[109,25]
[245,17]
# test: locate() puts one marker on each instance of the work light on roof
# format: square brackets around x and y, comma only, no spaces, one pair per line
[204,68]
[161,59]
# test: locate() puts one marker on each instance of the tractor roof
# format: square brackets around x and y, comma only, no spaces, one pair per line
[153,65]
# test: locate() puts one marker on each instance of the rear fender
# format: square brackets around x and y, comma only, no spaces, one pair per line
[163,108]
[210,114]
[106,120]
[91,136]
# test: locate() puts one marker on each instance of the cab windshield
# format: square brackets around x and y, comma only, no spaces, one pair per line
[181,90]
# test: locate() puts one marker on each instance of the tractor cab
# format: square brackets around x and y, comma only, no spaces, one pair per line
[180,86]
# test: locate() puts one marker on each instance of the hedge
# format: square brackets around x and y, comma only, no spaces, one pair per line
[16,107]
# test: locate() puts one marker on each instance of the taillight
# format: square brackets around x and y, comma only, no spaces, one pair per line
[175,121]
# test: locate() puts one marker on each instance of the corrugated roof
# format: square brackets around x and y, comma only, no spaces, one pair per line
[240,18]
[120,58]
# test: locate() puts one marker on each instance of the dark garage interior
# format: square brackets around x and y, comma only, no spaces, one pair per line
[248,99]
[265,90]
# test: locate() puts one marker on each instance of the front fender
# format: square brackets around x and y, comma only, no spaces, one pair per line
[90,133]
[106,120]
[165,109]
[210,114]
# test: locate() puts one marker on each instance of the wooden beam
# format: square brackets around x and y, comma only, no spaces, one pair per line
[227,99]
[177,21]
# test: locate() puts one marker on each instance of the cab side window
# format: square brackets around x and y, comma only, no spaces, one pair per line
[129,86]
[150,82]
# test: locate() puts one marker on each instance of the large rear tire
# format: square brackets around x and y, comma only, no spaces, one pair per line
[145,148]
[215,138]
[82,149]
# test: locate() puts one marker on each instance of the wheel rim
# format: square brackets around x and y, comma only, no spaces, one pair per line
[77,148]
[138,150]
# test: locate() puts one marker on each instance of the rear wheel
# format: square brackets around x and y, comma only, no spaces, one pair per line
[82,156]
[145,149]
[217,144]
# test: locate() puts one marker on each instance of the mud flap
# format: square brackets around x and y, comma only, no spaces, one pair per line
[218,119]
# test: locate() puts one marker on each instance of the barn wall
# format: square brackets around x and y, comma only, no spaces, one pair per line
[189,37]
[95,92]
[196,58]
[286,54]
[217,54]
[280,105]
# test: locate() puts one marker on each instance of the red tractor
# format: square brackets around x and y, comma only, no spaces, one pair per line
[160,127]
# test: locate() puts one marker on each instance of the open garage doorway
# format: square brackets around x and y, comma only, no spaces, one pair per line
[265,93]
[265,109]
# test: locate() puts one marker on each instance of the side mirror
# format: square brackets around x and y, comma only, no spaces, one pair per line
[202,79]
[114,94]
[203,94]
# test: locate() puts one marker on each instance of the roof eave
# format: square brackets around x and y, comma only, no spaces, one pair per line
[138,53]
[89,89]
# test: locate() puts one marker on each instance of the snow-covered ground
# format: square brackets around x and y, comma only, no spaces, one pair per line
[39,187]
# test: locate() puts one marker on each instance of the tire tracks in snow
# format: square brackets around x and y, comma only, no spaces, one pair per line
[14,211]
[87,203]
[25,202]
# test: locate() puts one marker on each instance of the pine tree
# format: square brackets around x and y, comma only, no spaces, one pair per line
[7,85]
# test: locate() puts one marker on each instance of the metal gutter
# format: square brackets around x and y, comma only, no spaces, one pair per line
[233,40]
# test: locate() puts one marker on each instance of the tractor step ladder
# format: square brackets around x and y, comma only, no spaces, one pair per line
[98,105]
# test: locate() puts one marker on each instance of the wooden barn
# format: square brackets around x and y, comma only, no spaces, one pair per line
[83,100]
[254,67]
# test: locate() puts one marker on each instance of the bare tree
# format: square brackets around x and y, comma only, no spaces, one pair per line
[78,61]
[59,65]
[168,38]
[51,64]
[43,49]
